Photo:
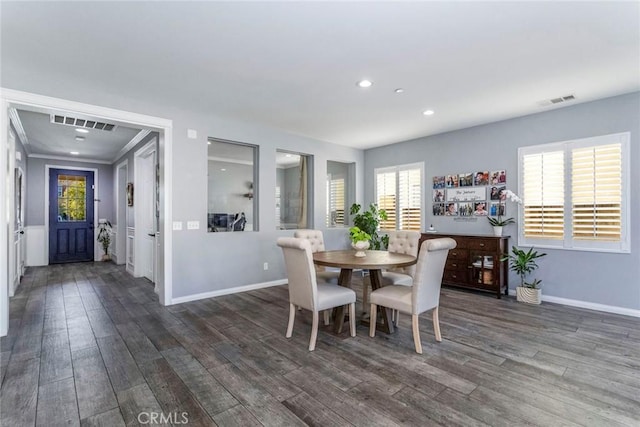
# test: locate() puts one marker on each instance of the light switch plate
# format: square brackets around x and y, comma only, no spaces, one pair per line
[177,225]
[193,225]
[192,134]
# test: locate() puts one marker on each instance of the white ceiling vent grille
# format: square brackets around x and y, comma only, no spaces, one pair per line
[558,100]
[82,123]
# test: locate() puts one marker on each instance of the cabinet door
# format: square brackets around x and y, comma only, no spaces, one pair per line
[483,268]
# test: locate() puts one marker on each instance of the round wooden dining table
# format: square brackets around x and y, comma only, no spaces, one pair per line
[375,262]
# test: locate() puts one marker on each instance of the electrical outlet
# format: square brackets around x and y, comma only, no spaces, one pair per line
[265,266]
[193,225]
[177,225]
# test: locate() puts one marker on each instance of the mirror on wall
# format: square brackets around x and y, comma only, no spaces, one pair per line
[231,186]
[294,198]
[340,192]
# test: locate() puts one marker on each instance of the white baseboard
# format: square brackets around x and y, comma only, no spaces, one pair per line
[589,305]
[36,252]
[228,291]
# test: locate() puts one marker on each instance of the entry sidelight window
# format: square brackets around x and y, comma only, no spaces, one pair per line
[72,192]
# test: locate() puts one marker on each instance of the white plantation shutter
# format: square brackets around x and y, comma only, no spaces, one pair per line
[336,202]
[386,197]
[576,194]
[543,194]
[596,190]
[399,193]
[409,200]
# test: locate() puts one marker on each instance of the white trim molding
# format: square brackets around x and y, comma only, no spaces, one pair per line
[588,305]
[17,124]
[134,141]
[69,159]
[229,291]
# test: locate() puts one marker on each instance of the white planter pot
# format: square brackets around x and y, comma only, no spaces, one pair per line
[360,247]
[528,295]
[497,231]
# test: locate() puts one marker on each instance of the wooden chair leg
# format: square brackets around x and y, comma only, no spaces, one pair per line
[326,317]
[436,325]
[416,333]
[314,331]
[397,317]
[352,318]
[365,297]
[373,317]
[292,316]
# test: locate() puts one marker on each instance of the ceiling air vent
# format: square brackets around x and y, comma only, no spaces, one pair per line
[82,123]
[558,100]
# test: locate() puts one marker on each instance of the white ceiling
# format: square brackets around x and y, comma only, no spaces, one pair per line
[294,65]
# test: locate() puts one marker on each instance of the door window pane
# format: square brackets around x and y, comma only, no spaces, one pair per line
[72,195]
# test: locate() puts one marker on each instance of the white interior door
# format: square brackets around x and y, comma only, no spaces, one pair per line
[19,240]
[121,215]
[146,223]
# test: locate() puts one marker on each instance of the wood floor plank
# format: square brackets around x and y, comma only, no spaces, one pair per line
[19,394]
[112,418]
[57,404]
[135,401]
[121,367]
[95,394]
[238,416]
[80,333]
[312,412]
[55,361]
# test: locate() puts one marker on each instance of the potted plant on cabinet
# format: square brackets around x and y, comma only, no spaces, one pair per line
[104,237]
[368,221]
[524,263]
[359,241]
[498,223]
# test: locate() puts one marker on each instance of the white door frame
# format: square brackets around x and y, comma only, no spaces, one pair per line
[19,246]
[147,150]
[9,186]
[18,99]
[122,221]
[47,169]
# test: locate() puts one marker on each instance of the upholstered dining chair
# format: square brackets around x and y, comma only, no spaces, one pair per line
[316,239]
[424,295]
[309,292]
[402,242]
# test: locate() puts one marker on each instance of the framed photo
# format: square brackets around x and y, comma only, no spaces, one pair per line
[495,191]
[465,179]
[481,178]
[438,182]
[466,209]
[498,177]
[451,181]
[480,209]
[130,194]
[451,209]
[439,209]
[438,195]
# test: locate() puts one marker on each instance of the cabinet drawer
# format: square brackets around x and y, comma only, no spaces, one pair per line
[455,276]
[456,264]
[484,244]
[458,254]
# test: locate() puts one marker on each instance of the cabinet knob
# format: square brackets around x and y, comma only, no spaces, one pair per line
[454,253]
[454,265]
[481,244]
[454,276]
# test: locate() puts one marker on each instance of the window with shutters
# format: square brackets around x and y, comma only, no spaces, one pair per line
[335,201]
[576,194]
[399,193]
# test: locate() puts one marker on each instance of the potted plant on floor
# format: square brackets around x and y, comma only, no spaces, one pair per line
[359,241]
[524,263]
[104,237]
[368,221]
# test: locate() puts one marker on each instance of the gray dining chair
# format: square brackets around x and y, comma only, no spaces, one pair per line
[423,296]
[309,292]
[401,242]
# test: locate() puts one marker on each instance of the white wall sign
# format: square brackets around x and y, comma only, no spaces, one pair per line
[466,194]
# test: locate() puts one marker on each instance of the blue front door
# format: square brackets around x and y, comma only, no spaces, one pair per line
[70,216]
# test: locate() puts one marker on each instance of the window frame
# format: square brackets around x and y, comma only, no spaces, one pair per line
[396,170]
[568,242]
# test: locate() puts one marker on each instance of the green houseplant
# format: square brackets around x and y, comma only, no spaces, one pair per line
[498,222]
[368,221]
[524,263]
[104,237]
[359,240]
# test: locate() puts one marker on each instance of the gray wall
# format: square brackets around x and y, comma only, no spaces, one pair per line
[36,188]
[603,278]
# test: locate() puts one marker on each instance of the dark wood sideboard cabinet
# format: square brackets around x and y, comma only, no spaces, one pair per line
[475,262]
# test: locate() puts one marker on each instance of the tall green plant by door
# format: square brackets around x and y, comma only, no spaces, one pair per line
[368,221]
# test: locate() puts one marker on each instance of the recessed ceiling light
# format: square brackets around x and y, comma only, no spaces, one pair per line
[223,169]
[399,90]
[79,138]
[208,142]
[428,112]
[82,130]
[75,153]
[364,83]
[287,155]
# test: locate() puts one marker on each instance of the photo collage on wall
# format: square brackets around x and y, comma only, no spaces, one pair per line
[470,194]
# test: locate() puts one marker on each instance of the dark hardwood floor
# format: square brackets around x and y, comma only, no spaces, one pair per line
[90,345]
